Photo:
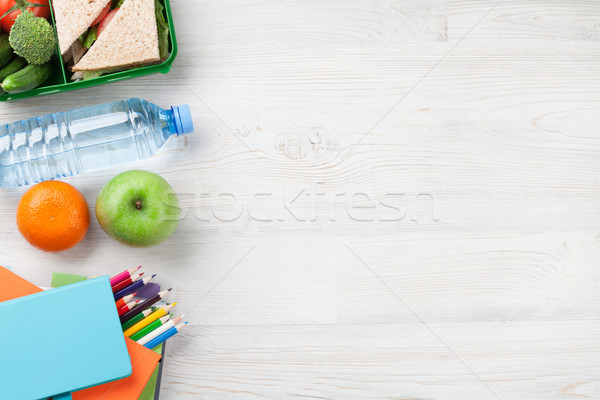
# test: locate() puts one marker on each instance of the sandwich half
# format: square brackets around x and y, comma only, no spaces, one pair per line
[130,39]
[73,18]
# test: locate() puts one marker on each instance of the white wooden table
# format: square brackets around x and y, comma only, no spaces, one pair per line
[392,199]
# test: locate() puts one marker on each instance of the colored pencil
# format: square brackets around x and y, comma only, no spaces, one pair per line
[127,307]
[150,328]
[145,304]
[159,331]
[164,336]
[137,318]
[134,286]
[126,282]
[123,275]
[161,312]
[124,300]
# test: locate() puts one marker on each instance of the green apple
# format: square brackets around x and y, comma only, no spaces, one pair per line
[138,208]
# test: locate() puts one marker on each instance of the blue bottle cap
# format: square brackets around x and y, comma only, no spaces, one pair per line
[183,119]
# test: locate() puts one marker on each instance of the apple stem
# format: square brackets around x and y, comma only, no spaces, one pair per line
[138,205]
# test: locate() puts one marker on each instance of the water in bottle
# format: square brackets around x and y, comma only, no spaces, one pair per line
[69,143]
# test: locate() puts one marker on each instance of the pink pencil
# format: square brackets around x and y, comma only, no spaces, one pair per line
[123,275]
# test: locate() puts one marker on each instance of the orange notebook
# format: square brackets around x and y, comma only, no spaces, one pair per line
[13,286]
[143,360]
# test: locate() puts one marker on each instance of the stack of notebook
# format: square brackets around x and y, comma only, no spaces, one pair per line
[151,390]
[138,377]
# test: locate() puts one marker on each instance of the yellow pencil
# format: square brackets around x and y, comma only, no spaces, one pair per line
[161,312]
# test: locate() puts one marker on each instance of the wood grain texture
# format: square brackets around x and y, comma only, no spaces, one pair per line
[473,206]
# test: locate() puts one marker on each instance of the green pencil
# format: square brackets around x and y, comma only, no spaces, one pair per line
[156,324]
[137,318]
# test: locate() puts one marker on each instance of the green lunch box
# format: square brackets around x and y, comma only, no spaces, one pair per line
[60,80]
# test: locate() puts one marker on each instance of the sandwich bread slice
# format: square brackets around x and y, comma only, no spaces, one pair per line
[131,38]
[73,18]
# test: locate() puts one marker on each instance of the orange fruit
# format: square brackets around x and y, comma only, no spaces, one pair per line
[53,216]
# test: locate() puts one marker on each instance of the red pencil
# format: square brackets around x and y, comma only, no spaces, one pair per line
[126,282]
[124,300]
[128,307]
[122,276]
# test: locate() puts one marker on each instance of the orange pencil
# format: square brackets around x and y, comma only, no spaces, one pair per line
[124,300]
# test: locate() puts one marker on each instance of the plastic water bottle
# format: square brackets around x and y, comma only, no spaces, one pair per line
[86,139]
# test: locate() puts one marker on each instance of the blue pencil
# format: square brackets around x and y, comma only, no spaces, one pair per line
[133,287]
[164,336]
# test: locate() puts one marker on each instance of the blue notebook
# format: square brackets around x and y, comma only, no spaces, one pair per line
[61,340]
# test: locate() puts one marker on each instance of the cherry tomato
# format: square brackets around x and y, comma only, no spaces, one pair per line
[102,14]
[104,23]
[7,22]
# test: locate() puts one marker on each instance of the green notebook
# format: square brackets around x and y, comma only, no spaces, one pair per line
[59,279]
[152,389]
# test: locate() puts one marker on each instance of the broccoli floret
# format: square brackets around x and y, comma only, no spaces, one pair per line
[32,38]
